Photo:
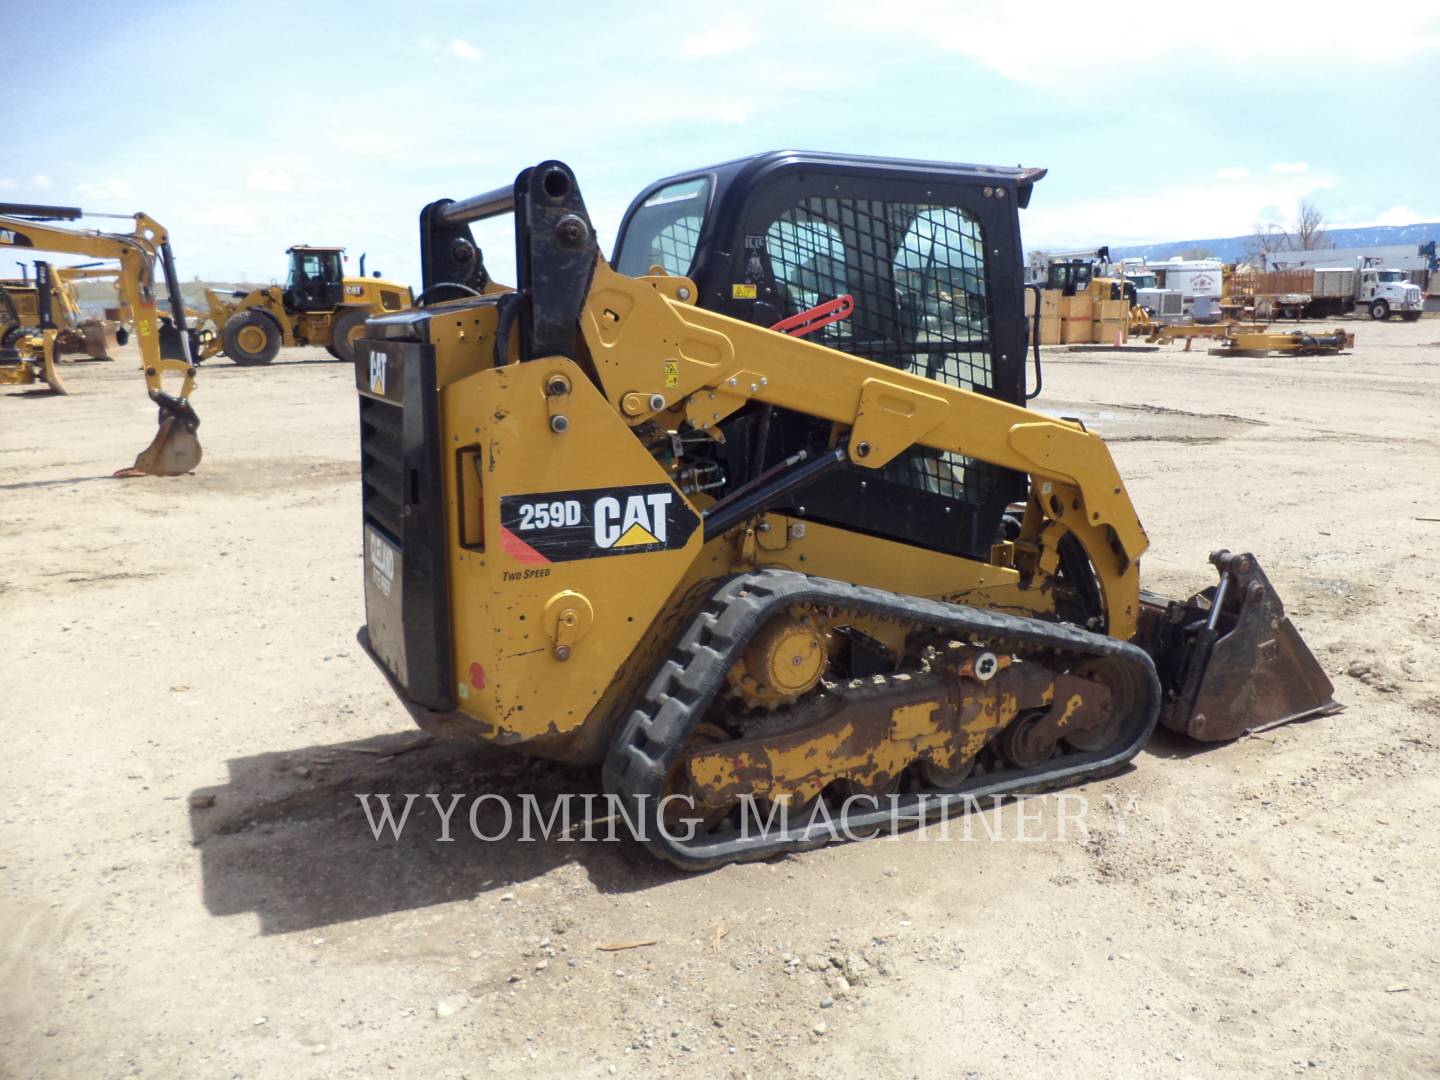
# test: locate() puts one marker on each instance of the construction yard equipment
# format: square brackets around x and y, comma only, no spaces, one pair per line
[22,311]
[30,357]
[1190,332]
[1255,339]
[1247,341]
[171,348]
[319,305]
[1083,301]
[614,515]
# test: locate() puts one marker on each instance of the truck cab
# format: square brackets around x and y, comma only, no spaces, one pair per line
[1386,292]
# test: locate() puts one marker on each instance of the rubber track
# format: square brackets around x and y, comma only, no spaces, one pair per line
[654,734]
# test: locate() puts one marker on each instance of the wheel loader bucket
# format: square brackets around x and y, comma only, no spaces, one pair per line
[100,339]
[1229,658]
[174,451]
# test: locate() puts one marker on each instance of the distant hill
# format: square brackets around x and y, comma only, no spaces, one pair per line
[95,296]
[1235,248]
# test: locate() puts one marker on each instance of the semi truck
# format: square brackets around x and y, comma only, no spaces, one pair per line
[1379,290]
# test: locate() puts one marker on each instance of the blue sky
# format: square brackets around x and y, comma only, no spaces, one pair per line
[246,127]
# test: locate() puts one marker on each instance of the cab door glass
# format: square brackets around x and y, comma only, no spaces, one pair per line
[665,230]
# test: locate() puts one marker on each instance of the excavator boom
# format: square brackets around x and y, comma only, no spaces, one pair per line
[175,449]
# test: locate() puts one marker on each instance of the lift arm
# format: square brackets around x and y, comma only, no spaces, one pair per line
[654,351]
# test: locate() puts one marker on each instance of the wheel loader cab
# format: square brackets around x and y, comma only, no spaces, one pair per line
[317,279]
[930,254]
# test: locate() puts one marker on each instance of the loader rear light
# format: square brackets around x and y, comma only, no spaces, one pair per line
[470,497]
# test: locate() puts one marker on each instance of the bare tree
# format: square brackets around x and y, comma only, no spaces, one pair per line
[1310,234]
[1267,239]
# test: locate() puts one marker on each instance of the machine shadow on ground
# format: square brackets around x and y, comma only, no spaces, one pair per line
[287,839]
[61,482]
[220,365]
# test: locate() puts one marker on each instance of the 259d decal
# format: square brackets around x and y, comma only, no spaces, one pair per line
[560,526]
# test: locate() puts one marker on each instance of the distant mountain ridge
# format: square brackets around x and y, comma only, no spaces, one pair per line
[1235,248]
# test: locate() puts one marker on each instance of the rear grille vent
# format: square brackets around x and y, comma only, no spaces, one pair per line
[382,471]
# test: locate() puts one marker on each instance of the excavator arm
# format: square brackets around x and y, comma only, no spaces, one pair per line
[174,449]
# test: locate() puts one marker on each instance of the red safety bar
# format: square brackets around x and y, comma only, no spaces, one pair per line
[807,322]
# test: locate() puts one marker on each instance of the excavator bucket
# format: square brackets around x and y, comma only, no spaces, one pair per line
[1229,658]
[173,451]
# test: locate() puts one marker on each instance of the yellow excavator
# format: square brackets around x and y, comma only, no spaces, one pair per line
[167,345]
[754,514]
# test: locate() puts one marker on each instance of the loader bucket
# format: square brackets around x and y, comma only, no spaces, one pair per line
[1229,659]
[100,337]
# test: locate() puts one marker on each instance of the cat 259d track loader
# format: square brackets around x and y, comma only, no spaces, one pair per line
[754,512]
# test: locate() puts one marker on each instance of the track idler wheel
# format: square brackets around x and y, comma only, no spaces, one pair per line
[944,778]
[677,783]
[1029,740]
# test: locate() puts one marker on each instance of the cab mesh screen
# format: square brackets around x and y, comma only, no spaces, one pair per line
[922,304]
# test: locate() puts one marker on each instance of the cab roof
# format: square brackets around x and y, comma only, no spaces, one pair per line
[747,171]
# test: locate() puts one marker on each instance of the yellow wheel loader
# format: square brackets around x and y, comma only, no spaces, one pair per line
[319,305]
[167,345]
[753,513]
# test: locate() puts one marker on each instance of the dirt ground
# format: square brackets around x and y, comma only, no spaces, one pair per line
[1266,907]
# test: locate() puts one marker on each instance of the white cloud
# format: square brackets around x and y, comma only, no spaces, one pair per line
[464,50]
[225,222]
[1050,42]
[1402,215]
[1233,172]
[8,183]
[270,180]
[40,180]
[1290,167]
[721,39]
[104,189]
[1192,210]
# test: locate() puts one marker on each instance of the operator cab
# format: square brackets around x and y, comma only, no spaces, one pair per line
[1070,276]
[930,254]
[317,278]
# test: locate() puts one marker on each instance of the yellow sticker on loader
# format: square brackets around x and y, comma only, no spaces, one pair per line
[742,292]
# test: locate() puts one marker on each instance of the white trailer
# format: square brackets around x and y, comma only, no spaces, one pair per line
[1198,281]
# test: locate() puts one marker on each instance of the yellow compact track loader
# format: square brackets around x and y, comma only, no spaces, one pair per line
[754,513]
[319,305]
[168,345]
